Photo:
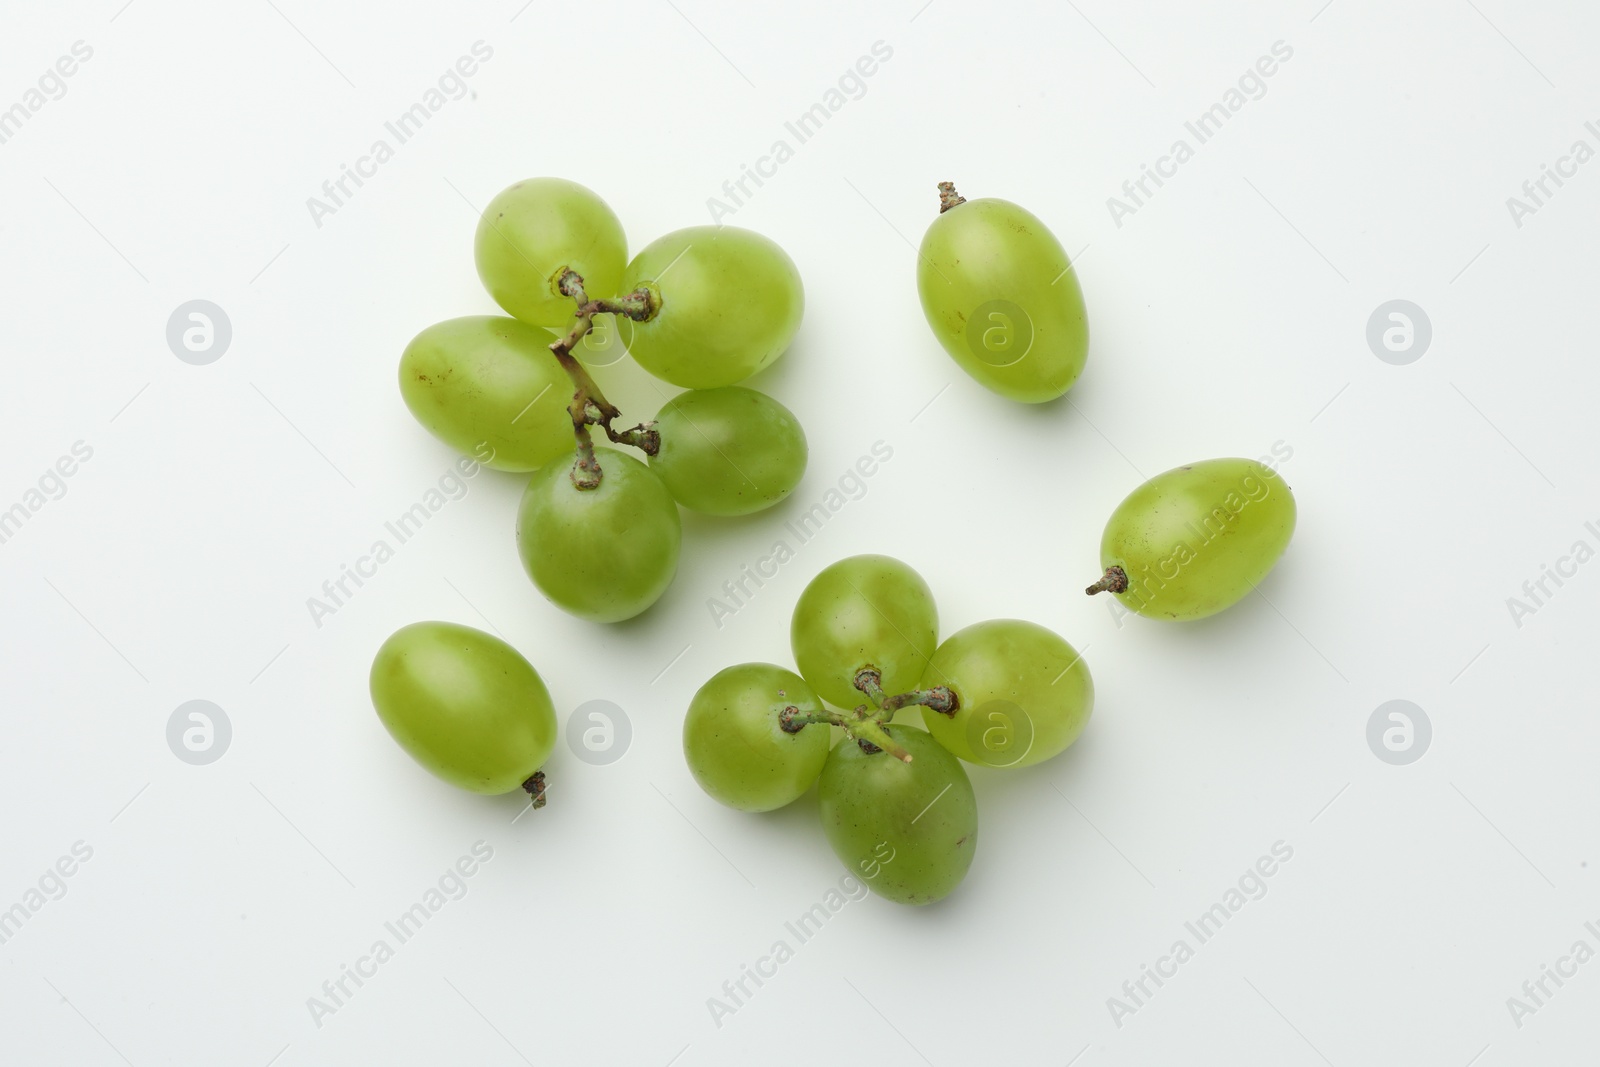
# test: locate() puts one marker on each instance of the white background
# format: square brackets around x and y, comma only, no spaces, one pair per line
[1229,313]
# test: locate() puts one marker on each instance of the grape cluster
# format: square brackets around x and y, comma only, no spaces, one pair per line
[702,308]
[896,804]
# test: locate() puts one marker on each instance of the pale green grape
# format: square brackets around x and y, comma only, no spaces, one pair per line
[534,232]
[1198,538]
[736,748]
[1002,298]
[490,387]
[464,704]
[603,554]
[729,451]
[731,301]
[908,830]
[864,611]
[1024,693]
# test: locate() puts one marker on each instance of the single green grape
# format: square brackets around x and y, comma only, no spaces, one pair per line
[729,451]
[603,554]
[489,386]
[534,232]
[464,704]
[1002,298]
[730,303]
[735,746]
[1024,694]
[908,830]
[1196,539]
[864,611]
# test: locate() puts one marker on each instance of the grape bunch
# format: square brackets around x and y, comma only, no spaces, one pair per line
[896,804]
[702,308]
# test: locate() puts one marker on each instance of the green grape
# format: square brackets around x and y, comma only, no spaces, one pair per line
[1024,693]
[731,301]
[729,451]
[1002,298]
[603,554]
[464,704]
[490,387]
[864,611]
[906,829]
[534,232]
[1196,539]
[735,747]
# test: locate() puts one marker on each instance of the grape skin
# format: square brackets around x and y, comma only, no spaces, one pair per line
[488,387]
[864,611]
[731,301]
[1198,538]
[729,451]
[735,747]
[466,705]
[1013,677]
[532,233]
[1002,298]
[909,830]
[604,554]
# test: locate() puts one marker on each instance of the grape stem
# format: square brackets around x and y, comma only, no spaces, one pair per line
[948,197]
[862,726]
[940,698]
[1115,581]
[535,789]
[589,405]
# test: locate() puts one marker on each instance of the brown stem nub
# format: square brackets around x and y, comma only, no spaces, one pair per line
[589,405]
[940,698]
[535,788]
[870,681]
[1115,581]
[948,197]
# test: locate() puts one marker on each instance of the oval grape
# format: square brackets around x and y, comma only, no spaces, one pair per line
[909,830]
[864,611]
[534,232]
[464,704]
[730,303]
[604,554]
[1196,539]
[1024,693]
[729,451]
[1001,296]
[489,387]
[736,748]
